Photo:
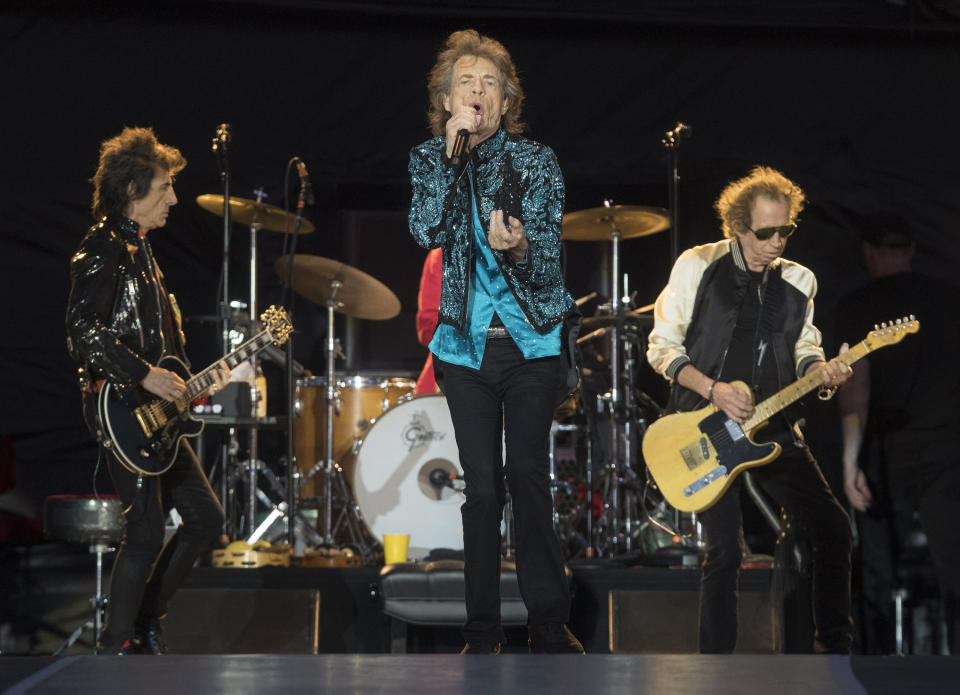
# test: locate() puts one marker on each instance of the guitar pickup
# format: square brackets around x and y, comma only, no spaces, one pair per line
[701,482]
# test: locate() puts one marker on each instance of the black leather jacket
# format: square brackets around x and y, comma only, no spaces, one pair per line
[119,319]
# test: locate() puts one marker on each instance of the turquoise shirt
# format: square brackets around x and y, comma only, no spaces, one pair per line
[487,290]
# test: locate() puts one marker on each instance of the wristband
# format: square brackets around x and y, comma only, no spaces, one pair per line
[710,391]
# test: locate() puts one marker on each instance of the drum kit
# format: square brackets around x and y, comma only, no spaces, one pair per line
[373,458]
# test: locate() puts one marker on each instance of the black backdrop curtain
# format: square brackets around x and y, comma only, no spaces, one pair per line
[858,106]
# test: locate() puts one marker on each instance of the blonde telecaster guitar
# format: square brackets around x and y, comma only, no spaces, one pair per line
[694,457]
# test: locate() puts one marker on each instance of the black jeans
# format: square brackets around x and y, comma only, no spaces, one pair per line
[793,481]
[908,485]
[146,573]
[526,391]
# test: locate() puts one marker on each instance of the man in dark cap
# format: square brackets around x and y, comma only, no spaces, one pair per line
[901,426]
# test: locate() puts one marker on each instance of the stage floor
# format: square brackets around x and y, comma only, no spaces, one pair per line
[505,675]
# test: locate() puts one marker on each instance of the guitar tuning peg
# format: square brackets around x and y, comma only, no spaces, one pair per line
[876,327]
[899,321]
[912,317]
[883,325]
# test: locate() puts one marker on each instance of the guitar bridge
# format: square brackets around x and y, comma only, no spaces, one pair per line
[150,417]
[701,482]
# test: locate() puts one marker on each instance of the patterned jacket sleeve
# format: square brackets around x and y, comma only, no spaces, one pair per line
[542,217]
[436,200]
[93,274]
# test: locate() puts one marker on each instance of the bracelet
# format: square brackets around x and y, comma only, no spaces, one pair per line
[710,391]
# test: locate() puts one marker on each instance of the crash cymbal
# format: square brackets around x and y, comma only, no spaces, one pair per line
[251,212]
[597,224]
[359,295]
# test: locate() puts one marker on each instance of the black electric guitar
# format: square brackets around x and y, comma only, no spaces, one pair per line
[695,456]
[145,438]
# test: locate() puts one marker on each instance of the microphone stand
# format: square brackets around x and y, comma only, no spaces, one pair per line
[293,491]
[220,147]
[671,140]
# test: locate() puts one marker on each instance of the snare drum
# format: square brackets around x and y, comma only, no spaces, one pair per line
[392,479]
[359,399]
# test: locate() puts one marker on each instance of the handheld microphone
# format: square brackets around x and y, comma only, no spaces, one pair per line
[306,190]
[459,146]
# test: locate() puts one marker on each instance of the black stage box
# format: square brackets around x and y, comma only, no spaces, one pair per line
[666,622]
[617,608]
[243,621]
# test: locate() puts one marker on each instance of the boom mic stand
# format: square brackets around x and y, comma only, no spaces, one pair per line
[221,148]
[293,492]
[671,141]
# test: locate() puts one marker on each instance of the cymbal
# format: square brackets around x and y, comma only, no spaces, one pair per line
[251,212]
[596,224]
[359,295]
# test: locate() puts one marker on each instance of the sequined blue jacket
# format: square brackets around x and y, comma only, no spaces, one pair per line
[518,176]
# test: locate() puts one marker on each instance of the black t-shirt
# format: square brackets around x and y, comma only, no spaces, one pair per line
[914,384]
[749,359]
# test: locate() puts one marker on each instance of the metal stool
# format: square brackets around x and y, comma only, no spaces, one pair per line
[96,521]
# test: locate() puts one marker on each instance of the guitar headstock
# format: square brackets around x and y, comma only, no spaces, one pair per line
[892,332]
[276,322]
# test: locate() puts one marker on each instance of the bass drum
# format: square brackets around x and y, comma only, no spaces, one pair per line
[360,399]
[392,475]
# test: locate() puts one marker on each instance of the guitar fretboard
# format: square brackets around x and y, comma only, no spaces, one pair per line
[205,379]
[781,399]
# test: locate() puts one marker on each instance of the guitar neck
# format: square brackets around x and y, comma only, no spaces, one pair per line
[205,379]
[801,387]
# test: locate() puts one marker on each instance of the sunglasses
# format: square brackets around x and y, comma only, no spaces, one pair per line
[765,233]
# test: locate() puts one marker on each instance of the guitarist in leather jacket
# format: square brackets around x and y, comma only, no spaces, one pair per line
[120,321]
[735,310]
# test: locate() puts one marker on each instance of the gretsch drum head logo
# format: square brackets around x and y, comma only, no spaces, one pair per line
[418,432]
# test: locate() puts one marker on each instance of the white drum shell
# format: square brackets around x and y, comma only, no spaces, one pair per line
[391,475]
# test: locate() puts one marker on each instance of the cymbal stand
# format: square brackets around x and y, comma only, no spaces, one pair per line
[613,505]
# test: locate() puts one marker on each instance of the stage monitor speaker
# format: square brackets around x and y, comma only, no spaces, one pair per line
[666,621]
[243,621]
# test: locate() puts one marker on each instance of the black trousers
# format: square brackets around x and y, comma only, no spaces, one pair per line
[146,573]
[793,481]
[911,485]
[525,391]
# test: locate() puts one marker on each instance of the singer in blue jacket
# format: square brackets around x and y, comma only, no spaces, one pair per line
[494,202]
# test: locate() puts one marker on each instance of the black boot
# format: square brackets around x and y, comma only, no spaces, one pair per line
[148,635]
[553,638]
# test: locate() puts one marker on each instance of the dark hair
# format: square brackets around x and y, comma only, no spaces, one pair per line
[889,229]
[736,200]
[440,82]
[134,156]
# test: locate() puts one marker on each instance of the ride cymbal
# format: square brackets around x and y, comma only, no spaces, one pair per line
[251,212]
[353,292]
[597,224]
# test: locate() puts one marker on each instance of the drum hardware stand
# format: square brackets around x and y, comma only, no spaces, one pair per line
[332,472]
[98,601]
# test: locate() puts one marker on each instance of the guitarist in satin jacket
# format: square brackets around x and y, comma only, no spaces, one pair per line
[120,321]
[734,310]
